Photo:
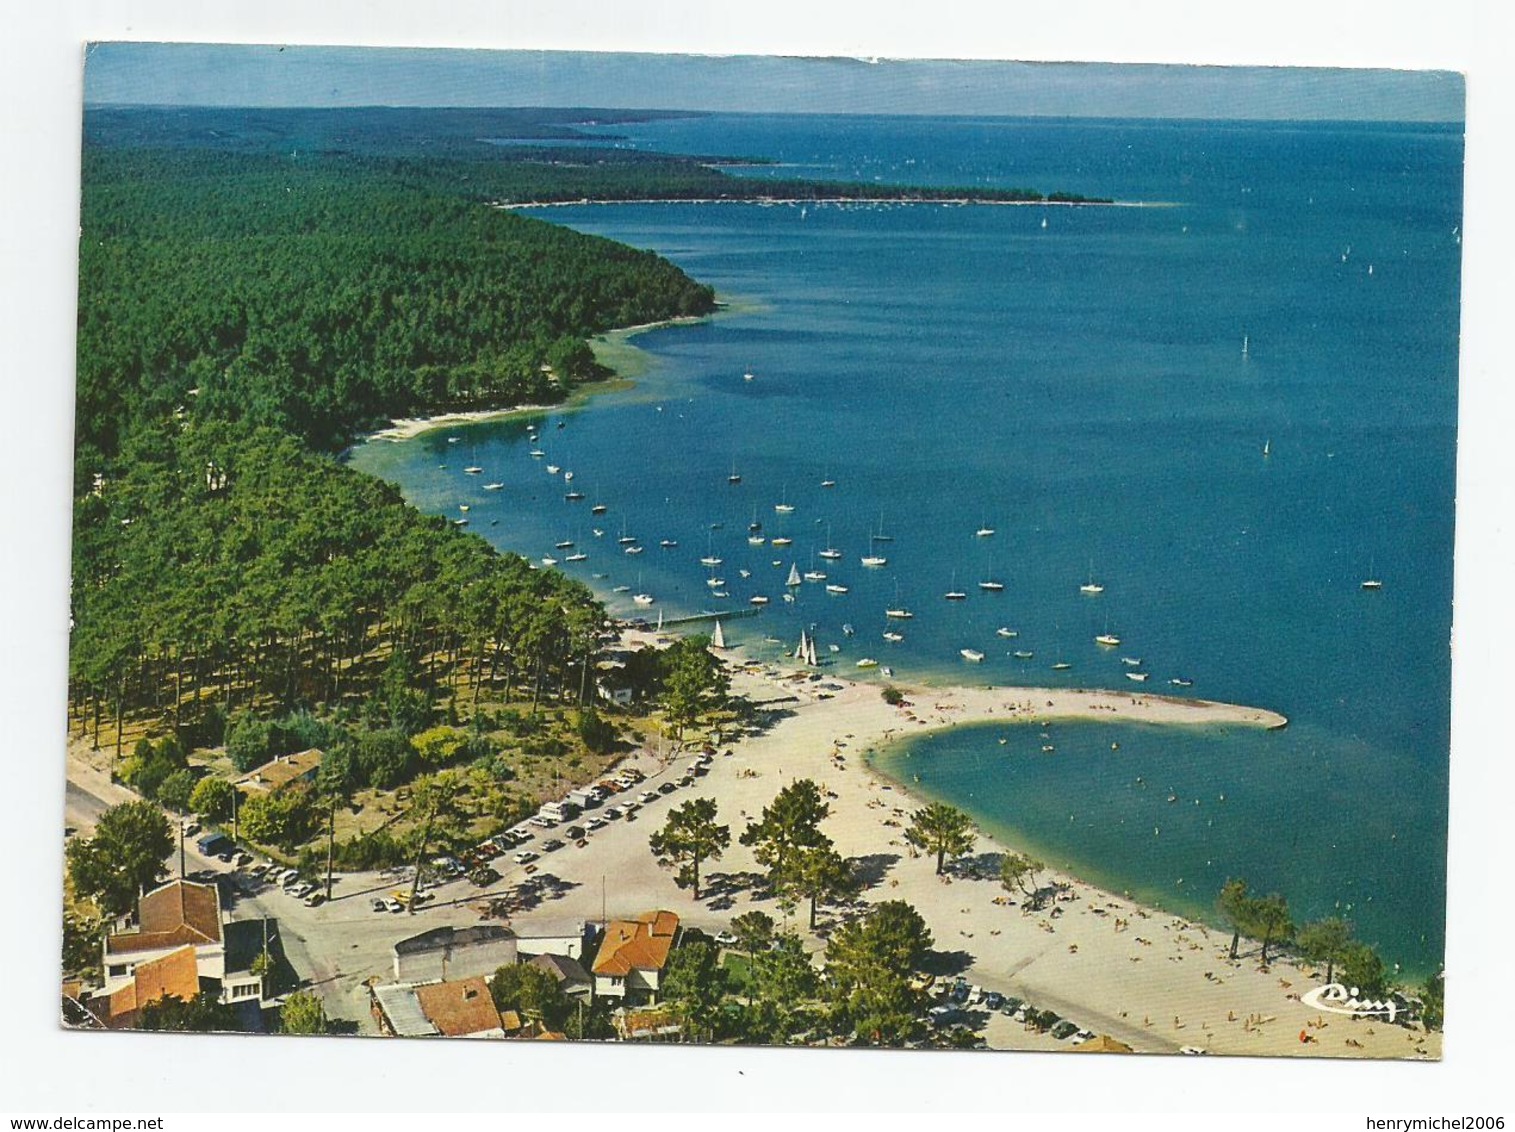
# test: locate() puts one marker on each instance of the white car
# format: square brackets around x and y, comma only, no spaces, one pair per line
[525,857]
[647,796]
[725,938]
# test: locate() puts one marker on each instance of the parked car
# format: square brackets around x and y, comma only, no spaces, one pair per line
[551,846]
[575,832]
[598,823]
[1081,1037]
[1064,1030]
[377,904]
[613,812]
[667,788]
[314,899]
[525,857]
[258,870]
[993,1000]
[647,796]
[394,905]
[302,890]
[484,876]
[725,938]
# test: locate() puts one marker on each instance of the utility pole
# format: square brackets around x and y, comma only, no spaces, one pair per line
[181,846]
[234,812]
[331,844]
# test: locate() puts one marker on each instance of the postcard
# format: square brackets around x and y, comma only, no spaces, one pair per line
[633,548]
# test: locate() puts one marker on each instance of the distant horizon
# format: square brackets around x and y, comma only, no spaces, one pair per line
[250,76]
[684,111]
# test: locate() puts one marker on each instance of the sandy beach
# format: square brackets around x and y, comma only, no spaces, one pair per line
[1151,979]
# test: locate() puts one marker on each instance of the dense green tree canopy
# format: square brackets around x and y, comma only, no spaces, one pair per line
[941,829]
[690,837]
[125,856]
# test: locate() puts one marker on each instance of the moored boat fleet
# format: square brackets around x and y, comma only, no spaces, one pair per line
[828,567]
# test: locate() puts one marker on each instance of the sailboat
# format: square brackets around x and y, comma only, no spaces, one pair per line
[784,507]
[955,594]
[1091,587]
[881,536]
[735,477]
[1267,448]
[794,576]
[984,531]
[1107,638]
[717,638]
[989,584]
[831,553]
[711,558]
[1244,347]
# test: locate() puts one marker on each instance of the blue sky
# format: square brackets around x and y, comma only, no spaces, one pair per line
[243,75]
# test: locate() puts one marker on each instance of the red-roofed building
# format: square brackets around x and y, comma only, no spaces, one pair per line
[633,953]
[175,975]
[180,914]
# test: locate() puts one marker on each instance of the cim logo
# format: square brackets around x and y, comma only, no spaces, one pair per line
[1337,999]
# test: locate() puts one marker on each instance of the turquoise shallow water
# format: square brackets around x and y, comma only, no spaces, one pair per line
[1081,388]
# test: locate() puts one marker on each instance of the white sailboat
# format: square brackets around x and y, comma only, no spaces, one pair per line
[717,638]
[831,553]
[784,507]
[794,576]
[1091,587]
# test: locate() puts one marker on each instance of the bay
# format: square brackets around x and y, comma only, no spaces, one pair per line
[1229,406]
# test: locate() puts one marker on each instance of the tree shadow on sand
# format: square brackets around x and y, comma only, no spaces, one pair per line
[946,964]
[870,869]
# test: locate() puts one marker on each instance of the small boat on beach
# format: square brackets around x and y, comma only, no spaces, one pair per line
[867,662]
[972,656]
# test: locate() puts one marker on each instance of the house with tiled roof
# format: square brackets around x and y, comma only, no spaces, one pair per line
[459,1008]
[632,955]
[568,973]
[174,975]
[274,775]
[177,915]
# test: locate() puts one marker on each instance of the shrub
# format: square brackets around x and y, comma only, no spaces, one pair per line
[211,798]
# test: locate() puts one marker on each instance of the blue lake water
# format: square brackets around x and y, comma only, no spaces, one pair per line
[1076,380]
